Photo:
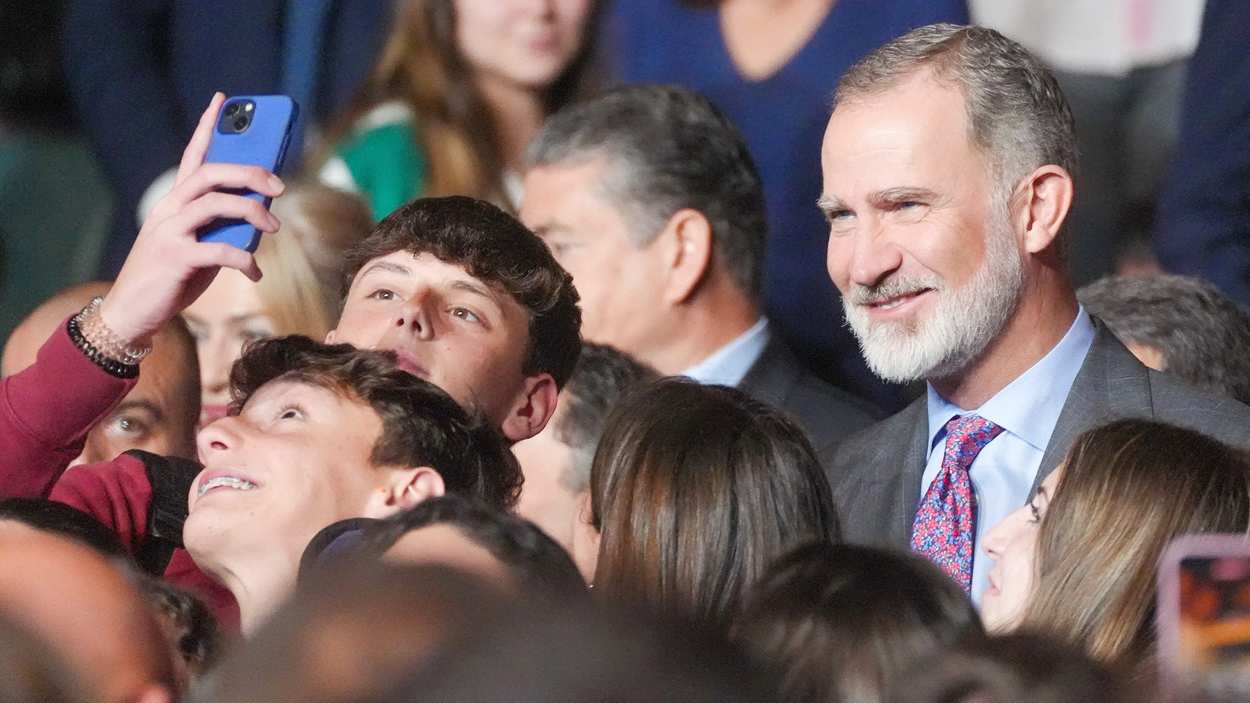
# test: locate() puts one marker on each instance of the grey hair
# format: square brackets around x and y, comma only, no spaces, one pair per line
[1204,337]
[1017,113]
[667,149]
[602,376]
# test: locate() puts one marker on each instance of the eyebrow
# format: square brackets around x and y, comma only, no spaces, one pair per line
[900,194]
[233,319]
[475,289]
[553,228]
[140,405]
[828,203]
[386,266]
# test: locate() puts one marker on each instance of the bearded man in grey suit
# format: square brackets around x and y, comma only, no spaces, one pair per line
[648,196]
[948,167]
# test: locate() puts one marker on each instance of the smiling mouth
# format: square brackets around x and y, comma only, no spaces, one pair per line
[225,482]
[895,302]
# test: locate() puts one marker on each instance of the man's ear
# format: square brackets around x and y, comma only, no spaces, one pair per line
[404,489]
[1045,198]
[687,254]
[533,408]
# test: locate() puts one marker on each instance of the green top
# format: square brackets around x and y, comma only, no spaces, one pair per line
[381,160]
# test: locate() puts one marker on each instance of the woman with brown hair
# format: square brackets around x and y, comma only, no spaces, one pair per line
[459,90]
[694,491]
[1078,562]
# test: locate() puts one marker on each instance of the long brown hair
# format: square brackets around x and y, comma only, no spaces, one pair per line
[421,66]
[696,490]
[1126,490]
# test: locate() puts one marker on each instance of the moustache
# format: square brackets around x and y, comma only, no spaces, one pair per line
[893,288]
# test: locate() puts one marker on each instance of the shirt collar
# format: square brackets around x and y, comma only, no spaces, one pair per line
[728,365]
[1029,406]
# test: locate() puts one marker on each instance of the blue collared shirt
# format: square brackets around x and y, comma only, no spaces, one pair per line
[728,365]
[1027,410]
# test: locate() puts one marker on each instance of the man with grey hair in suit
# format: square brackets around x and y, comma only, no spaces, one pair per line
[648,197]
[948,169]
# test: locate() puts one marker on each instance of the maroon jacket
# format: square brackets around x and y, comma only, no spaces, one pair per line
[46,412]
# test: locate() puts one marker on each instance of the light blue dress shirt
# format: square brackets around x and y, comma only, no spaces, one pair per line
[728,365]
[1027,410]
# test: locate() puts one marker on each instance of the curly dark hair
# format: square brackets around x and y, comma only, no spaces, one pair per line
[497,249]
[421,424]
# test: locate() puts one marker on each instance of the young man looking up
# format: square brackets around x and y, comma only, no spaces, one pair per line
[471,300]
[317,434]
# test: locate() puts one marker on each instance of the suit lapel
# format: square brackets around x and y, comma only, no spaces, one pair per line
[913,455]
[1111,384]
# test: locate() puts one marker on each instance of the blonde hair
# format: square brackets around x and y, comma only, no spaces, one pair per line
[1127,489]
[303,262]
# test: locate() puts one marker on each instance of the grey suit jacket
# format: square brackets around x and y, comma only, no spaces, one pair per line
[876,474]
[829,414]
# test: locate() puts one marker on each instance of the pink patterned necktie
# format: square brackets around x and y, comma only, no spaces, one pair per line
[945,529]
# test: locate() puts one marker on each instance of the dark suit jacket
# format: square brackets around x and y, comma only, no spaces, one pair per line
[829,414]
[876,474]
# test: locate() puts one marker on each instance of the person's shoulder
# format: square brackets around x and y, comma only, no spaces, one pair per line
[385,125]
[827,412]
[830,403]
[1221,417]
[884,436]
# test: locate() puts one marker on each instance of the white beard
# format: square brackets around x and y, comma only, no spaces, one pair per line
[963,323]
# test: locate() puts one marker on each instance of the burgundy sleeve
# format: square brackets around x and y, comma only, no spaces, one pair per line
[46,411]
[117,493]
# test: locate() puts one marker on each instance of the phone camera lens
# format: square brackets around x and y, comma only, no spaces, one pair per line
[231,109]
[240,124]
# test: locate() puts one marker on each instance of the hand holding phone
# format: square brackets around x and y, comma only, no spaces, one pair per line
[167,268]
[252,130]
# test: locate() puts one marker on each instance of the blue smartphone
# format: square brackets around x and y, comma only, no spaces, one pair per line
[253,130]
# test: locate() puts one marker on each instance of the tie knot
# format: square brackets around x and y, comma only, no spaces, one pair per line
[967,435]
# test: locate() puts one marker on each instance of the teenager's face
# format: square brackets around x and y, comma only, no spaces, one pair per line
[1012,544]
[447,327]
[528,43]
[297,458]
[226,316]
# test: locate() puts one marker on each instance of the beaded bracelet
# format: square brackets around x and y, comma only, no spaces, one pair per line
[91,322]
[87,331]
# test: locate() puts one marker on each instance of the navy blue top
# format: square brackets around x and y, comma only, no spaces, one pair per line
[1204,210]
[783,119]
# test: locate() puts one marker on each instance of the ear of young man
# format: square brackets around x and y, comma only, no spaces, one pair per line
[404,488]
[533,408]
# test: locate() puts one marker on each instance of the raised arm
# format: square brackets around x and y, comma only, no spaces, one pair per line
[88,365]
